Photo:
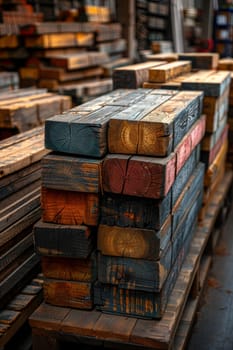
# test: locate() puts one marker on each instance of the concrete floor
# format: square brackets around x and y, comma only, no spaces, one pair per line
[213,329]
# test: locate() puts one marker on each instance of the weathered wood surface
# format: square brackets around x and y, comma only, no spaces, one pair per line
[128,211]
[71,173]
[216,166]
[187,197]
[70,269]
[48,41]
[62,75]
[190,141]
[147,177]
[225,64]
[133,242]
[69,208]
[83,129]
[72,294]
[129,331]
[18,278]
[201,60]
[14,211]
[79,60]
[79,133]
[208,156]
[168,71]
[71,241]
[184,174]
[21,151]
[25,113]
[10,257]
[155,125]
[17,311]
[135,274]
[139,303]
[19,179]
[16,231]
[212,83]
[210,139]
[133,76]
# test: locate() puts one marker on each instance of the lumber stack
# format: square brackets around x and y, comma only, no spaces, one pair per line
[201,60]
[116,203]
[20,173]
[216,86]
[154,74]
[71,58]
[24,109]
[227,64]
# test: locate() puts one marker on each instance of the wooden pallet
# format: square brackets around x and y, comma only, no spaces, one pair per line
[51,325]
[17,311]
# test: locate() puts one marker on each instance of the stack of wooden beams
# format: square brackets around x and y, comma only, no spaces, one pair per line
[71,57]
[20,173]
[24,109]
[216,86]
[227,64]
[9,81]
[154,74]
[127,170]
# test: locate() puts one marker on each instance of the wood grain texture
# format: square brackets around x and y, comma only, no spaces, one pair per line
[68,293]
[156,125]
[139,274]
[21,150]
[79,60]
[69,208]
[71,173]
[80,134]
[139,176]
[70,269]
[210,82]
[184,174]
[168,71]
[186,198]
[133,242]
[63,240]
[132,76]
[128,211]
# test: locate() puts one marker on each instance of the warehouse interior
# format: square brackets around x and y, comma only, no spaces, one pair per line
[116,174]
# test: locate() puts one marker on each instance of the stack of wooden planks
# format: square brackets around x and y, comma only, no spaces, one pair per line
[227,64]
[9,81]
[20,173]
[24,109]
[125,175]
[216,86]
[71,57]
[153,74]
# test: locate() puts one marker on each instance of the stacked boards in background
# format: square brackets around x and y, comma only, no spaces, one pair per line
[116,203]
[73,58]
[24,109]
[227,64]
[20,173]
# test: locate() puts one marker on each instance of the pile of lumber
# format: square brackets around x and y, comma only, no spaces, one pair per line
[119,206]
[9,81]
[152,22]
[153,74]
[216,86]
[227,64]
[72,58]
[20,173]
[25,109]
